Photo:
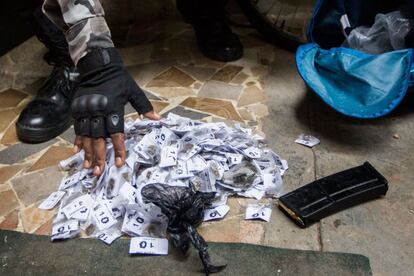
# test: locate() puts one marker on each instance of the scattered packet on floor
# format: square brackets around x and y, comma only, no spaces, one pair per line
[134,222]
[103,217]
[218,212]
[65,230]
[79,209]
[70,180]
[253,193]
[73,162]
[256,211]
[307,140]
[108,236]
[169,156]
[52,200]
[272,182]
[181,171]
[220,199]
[148,246]
[234,158]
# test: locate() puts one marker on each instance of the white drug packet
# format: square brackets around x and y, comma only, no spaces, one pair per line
[255,211]
[216,213]
[307,140]
[169,156]
[148,246]
[128,192]
[65,230]
[109,236]
[79,209]
[70,181]
[253,192]
[103,217]
[52,200]
[134,222]
[253,152]
[75,161]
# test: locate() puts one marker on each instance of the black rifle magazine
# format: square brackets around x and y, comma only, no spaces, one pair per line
[325,196]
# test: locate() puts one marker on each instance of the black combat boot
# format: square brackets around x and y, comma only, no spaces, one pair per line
[214,37]
[48,114]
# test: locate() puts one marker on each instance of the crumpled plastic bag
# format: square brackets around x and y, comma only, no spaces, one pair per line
[387,34]
[184,209]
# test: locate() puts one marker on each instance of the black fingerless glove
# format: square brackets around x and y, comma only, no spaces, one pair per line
[105,88]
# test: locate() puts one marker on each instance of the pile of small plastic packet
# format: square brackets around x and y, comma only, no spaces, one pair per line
[176,151]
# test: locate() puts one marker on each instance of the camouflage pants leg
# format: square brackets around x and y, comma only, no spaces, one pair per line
[83,23]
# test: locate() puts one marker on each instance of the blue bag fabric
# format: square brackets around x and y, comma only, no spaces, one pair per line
[354,83]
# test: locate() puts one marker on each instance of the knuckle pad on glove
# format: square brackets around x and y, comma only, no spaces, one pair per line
[115,123]
[90,106]
[90,103]
[82,127]
[79,106]
[97,102]
[98,127]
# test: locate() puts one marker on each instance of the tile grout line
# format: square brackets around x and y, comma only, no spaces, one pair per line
[319,223]
[21,207]
[315,175]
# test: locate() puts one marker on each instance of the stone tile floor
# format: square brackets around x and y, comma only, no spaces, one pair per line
[263,91]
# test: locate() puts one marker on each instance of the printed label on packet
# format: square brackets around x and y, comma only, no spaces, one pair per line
[307,140]
[103,217]
[216,213]
[169,156]
[109,236]
[65,230]
[262,212]
[69,181]
[52,200]
[148,245]
[134,223]
[252,152]
[79,208]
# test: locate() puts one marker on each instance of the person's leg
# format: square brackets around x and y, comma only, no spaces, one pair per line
[48,115]
[214,37]
[83,22]
[105,87]
[69,29]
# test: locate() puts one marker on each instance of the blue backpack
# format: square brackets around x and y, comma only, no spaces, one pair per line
[354,83]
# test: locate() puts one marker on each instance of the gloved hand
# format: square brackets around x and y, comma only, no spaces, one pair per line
[98,106]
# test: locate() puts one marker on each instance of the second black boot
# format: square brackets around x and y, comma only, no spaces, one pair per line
[48,114]
[214,37]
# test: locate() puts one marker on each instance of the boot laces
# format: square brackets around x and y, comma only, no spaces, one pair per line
[59,80]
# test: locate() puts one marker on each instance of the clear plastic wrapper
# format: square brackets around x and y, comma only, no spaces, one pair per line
[387,34]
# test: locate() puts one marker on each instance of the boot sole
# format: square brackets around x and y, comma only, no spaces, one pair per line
[39,135]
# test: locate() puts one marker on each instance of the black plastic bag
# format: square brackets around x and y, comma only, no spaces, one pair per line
[184,209]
